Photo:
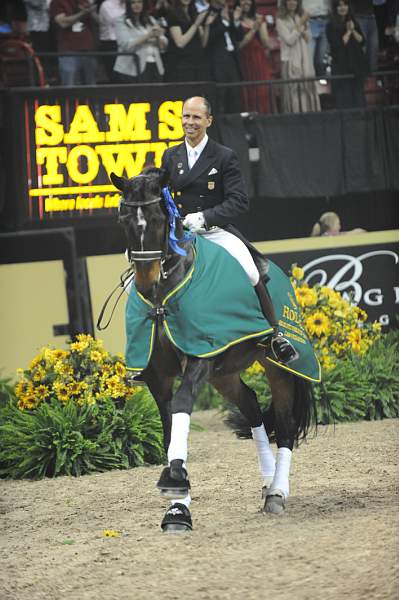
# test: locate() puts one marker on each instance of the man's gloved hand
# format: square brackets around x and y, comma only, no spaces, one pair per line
[194,221]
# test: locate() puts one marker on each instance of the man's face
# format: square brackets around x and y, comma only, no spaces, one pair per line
[195,120]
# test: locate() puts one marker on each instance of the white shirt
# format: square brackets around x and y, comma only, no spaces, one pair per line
[110,12]
[193,154]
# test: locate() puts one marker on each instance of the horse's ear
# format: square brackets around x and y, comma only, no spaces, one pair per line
[163,178]
[119,182]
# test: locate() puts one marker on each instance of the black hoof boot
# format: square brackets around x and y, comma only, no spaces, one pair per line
[177,519]
[174,482]
[282,350]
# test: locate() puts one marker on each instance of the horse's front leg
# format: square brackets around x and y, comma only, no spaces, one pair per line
[174,482]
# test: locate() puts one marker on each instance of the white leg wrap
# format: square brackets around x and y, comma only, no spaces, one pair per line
[178,447]
[282,474]
[186,501]
[267,463]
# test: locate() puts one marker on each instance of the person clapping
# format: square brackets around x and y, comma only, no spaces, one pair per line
[139,33]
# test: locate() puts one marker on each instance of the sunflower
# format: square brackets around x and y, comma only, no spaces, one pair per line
[62,391]
[120,369]
[298,273]
[318,324]
[42,392]
[306,296]
[355,340]
[255,368]
[96,356]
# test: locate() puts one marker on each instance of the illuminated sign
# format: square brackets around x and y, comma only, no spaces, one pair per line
[73,147]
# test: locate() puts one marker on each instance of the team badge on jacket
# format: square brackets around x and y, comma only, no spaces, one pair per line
[211,185]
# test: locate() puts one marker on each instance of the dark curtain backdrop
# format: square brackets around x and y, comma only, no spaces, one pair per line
[319,154]
[232,133]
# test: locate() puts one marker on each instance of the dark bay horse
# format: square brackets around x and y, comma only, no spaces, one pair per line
[145,218]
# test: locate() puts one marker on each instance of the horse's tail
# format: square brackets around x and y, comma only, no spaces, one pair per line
[304,409]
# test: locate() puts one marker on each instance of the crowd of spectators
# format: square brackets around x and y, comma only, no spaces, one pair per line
[226,41]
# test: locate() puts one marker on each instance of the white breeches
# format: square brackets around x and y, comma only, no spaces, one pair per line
[236,248]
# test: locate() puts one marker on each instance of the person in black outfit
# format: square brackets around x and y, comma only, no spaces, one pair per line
[186,59]
[225,33]
[348,56]
[209,191]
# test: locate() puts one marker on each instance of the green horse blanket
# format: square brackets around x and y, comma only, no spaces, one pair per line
[215,307]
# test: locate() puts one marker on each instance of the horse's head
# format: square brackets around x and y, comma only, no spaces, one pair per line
[144,218]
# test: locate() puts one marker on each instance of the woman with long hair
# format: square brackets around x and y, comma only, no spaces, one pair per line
[186,59]
[296,63]
[137,32]
[348,55]
[254,62]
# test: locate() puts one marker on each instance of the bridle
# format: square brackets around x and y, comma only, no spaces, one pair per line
[149,255]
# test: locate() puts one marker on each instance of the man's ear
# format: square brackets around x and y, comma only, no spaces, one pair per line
[119,182]
[163,178]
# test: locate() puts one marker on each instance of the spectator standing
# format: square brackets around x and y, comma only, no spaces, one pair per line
[110,11]
[294,33]
[318,11]
[254,63]
[225,33]
[186,57]
[137,32]
[40,33]
[363,12]
[348,56]
[76,32]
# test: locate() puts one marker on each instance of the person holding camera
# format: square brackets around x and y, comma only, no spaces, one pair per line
[139,34]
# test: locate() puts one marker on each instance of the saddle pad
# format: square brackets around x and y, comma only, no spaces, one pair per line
[214,307]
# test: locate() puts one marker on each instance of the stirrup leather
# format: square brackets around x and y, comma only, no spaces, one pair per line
[282,349]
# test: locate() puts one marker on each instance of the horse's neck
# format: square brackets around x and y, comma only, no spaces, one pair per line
[176,268]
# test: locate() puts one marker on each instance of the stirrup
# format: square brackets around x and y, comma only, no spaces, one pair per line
[282,349]
[135,379]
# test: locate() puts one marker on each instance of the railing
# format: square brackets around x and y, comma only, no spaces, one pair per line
[387,88]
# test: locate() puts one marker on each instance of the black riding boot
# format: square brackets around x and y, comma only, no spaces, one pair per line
[281,348]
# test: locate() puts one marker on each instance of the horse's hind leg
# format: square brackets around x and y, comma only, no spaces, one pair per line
[236,391]
[283,395]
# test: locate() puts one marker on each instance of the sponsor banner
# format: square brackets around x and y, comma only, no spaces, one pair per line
[366,274]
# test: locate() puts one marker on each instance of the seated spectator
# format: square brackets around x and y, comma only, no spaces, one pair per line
[40,34]
[363,12]
[186,57]
[294,34]
[137,32]
[318,11]
[75,21]
[330,224]
[348,57]
[225,33]
[254,62]
[110,11]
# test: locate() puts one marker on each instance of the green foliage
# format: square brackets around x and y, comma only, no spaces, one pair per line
[7,392]
[60,438]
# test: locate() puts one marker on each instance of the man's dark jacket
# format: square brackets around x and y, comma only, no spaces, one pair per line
[213,186]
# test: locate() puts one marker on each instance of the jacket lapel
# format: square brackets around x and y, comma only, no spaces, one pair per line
[204,162]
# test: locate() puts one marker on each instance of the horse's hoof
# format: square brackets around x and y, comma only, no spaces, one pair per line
[177,486]
[275,502]
[177,519]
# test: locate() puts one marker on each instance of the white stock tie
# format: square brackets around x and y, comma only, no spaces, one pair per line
[192,158]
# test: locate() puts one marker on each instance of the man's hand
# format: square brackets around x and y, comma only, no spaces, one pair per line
[194,221]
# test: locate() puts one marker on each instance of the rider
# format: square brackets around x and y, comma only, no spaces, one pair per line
[209,190]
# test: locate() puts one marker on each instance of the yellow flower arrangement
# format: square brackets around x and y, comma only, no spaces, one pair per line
[85,374]
[335,327]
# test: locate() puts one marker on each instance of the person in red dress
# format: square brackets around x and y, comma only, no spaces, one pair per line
[254,63]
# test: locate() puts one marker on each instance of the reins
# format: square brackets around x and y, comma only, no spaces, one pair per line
[128,273]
